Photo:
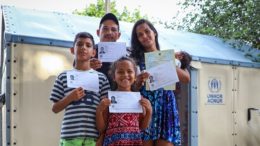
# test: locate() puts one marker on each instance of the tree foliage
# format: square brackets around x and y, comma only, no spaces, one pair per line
[228,19]
[127,16]
[98,10]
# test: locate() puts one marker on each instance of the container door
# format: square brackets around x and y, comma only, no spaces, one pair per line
[215,105]
[247,107]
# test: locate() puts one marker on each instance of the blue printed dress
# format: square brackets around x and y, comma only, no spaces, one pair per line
[165,122]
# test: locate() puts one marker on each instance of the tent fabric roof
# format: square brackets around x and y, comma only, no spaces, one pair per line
[59,29]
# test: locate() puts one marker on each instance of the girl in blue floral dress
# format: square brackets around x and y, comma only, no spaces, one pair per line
[164,129]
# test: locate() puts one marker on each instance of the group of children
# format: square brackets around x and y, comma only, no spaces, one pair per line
[87,121]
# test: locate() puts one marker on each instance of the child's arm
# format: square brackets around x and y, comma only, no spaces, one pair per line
[75,95]
[145,121]
[183,75]
[102,115]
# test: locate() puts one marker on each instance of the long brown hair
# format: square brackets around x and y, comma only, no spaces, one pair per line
[137,49]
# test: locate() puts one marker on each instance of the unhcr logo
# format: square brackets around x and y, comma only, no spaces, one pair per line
[214,85]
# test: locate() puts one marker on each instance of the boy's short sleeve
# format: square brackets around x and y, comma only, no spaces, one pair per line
[104,86]
[57,92]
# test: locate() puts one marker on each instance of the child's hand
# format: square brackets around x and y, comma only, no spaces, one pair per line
[104,104]
[77,94]
[147,113]
[95,63]
[145,103]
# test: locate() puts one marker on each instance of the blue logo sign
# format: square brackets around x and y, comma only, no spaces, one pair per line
[214,85]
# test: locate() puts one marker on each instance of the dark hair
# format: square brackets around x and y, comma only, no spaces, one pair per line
[137,50]
[113,66]
[84,35]
[186,59]
[109,16]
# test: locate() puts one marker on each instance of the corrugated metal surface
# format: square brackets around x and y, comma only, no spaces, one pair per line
[58,29]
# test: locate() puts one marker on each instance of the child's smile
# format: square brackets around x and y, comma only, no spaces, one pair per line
[124,75]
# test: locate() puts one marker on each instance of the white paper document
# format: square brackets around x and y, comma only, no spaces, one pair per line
[111,51]
[162,75]
[88,80]
[124,102]
[153,59]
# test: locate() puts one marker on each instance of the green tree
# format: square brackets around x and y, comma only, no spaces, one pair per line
[228,19]
[237,20]
[98,10]
[127,16]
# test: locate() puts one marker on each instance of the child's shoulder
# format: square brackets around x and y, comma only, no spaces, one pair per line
[63,73]
[99,73]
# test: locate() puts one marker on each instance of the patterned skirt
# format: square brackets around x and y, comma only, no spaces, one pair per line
[123,130]
[165,122]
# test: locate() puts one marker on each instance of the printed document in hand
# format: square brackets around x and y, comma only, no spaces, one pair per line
[124,102]
[88,80]
[156,58]
[111,51]
[162,75]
